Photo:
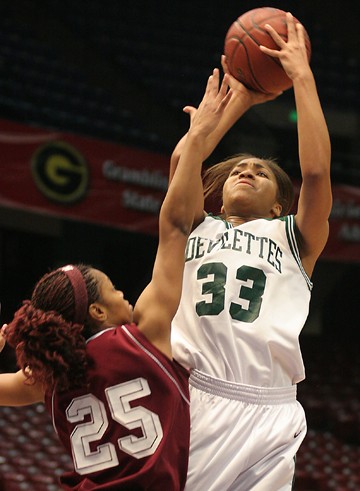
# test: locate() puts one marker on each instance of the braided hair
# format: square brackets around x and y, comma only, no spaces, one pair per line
[47,333]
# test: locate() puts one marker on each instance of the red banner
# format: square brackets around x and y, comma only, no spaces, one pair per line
[81,178]
[344,239]
[85,179]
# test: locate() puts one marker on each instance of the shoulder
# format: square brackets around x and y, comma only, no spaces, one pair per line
[212,222]
[285,223]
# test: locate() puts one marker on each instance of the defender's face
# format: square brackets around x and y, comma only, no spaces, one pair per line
[118,310]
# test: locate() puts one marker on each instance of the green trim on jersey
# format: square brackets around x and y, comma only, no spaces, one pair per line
[290,233]
[228,225]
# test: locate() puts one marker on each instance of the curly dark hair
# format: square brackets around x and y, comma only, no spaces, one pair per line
[214,178]
[50,347]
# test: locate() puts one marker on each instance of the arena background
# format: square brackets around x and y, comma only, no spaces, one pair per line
[98,88]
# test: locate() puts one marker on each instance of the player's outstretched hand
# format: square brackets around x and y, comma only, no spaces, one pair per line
[206,117]
[241,90]
[292,53]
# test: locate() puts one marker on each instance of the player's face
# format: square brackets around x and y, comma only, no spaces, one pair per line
[112,301]
[251,189]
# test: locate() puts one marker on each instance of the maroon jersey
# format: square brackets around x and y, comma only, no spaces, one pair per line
[129,430]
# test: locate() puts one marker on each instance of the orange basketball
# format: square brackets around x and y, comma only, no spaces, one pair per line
[246,62]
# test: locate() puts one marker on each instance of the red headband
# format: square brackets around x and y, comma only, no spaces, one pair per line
[80,292]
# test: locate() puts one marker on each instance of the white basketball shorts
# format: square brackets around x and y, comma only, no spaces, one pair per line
[243,437]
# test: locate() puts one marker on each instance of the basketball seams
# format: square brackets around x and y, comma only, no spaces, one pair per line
[243,32]
[249,64]
[258,28]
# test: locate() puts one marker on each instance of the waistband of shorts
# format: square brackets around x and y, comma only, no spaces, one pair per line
[240,392]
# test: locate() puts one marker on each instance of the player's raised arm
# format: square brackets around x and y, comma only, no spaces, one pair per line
[15,390]
[158,303]
[315,198]
[241,100]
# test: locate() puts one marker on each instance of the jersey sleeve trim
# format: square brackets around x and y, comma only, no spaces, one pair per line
[291,237]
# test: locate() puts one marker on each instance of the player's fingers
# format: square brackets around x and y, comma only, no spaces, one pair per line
[216,73]
[290,22]
[209,84]
[215,79]
[190,110]
[224,64]
[275,53]
[276,37]
[224,86]
[301,34]
[225,101]
[212,85]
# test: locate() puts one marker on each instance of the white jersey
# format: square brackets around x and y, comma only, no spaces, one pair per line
[244,303]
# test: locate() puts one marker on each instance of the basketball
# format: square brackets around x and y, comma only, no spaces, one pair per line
[246,62]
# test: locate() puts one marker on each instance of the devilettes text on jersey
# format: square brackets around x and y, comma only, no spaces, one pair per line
[244,303]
